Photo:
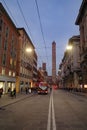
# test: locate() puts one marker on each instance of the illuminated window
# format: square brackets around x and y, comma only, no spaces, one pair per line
[20,69]
[9,85]
[14,63]
[11,61]
[9,73]
[13,74]
[1,84]
[85,86]
[3,71]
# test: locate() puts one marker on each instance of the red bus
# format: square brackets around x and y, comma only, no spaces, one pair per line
[43,88]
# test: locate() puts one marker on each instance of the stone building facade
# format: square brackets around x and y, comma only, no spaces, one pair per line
[27,61]
[8,56]
[70,67]
[18,68]
[82,22]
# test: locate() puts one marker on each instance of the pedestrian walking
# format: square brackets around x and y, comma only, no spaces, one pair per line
[1,92]
[14,92]
[29,90]
[21,89]
[50,88]
[26,89]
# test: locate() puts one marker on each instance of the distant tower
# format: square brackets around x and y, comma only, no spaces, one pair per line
[44,66]
[54,62]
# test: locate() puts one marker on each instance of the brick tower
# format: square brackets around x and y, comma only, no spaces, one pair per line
[54,62]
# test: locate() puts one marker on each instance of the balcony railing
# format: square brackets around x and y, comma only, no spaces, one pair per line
[84,55]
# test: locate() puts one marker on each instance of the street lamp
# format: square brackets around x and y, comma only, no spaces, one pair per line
[69,47]
[29,50]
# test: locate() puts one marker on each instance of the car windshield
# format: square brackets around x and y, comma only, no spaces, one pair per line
[43,87]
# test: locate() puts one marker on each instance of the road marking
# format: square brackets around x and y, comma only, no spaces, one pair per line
[49,116]
[51,113]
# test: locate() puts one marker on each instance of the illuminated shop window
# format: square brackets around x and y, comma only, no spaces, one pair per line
[85,86]
[9,85]
[13,86]
[1,84]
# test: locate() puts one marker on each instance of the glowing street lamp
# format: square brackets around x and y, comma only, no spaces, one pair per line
[29,50]
[69,47]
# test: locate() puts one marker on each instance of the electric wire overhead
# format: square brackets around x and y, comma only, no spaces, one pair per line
[24,19]
[26,23]
[41,29]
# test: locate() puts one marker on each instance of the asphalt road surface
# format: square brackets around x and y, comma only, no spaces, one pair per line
[59,110]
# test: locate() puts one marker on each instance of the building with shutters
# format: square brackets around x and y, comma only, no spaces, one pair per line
[9,38]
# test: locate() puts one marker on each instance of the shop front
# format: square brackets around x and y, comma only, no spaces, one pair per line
[7,83]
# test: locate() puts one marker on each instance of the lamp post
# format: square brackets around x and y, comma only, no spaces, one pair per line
[69,53]
[24,67]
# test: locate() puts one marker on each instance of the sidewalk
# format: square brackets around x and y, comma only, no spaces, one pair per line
[80,93]
[6,100]
[84,94]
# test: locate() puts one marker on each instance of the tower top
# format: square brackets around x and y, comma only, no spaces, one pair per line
[53,42]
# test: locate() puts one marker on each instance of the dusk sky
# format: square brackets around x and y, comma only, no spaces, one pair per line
[58,24]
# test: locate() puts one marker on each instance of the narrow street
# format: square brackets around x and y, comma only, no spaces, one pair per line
[60,110]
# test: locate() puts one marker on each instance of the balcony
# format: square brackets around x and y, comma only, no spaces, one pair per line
[84,55]
[76,69]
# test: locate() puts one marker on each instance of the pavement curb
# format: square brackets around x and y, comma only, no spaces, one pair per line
[80,94]
[10,100]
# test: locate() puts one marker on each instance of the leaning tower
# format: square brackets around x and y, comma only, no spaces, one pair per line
[54,62]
